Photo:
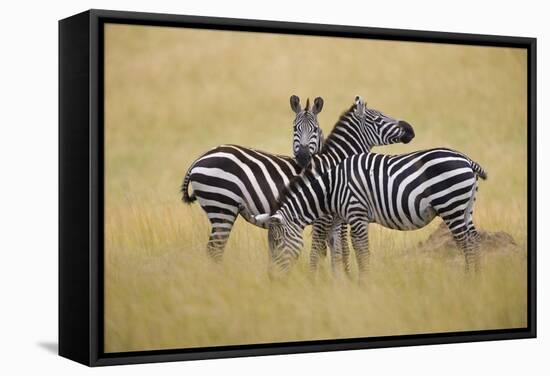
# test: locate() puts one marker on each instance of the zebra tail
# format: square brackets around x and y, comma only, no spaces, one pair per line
[479,171]
[185,188]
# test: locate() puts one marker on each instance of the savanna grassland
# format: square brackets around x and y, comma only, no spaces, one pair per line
[171,94]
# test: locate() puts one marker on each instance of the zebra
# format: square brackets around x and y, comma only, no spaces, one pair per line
[348,137]
[358,130]
[230,180]
[401,192]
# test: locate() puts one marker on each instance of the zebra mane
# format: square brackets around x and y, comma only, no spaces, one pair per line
[344,116]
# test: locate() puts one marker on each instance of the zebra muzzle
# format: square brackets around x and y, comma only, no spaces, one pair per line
[408,132]
[303,156]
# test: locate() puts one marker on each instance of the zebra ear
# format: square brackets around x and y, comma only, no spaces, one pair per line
[317,105]
[295,104]
[359,106]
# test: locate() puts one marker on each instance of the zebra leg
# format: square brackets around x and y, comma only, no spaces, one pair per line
[319,241]
[336,247]
[339,248]
[459,221]
[473,238]
[472,232]
[473,235]
[221,228]
[360,242]
[474,241]
[345,247]
[465,241]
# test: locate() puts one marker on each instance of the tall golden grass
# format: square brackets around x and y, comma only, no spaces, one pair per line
[171,94]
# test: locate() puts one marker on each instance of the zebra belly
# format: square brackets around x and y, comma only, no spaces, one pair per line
[425,215]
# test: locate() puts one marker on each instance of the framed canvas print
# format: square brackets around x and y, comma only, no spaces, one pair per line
[236,187]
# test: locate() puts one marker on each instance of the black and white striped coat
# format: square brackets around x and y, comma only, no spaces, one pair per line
[357,131]
[232,180]
[402,192]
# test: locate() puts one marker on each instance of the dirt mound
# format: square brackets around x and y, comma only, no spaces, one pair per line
[442,239]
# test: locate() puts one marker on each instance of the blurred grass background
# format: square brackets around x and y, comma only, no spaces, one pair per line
[171,94]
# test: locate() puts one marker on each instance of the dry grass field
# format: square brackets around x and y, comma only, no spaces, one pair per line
[171,94]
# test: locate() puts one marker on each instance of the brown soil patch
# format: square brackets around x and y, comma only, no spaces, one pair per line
[441,239]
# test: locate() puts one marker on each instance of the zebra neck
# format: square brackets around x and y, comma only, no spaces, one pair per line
[307,200]
[343,142]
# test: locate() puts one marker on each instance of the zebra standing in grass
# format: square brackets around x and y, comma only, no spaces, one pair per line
[230,187]
[402,192]
[230,180]
[358,130]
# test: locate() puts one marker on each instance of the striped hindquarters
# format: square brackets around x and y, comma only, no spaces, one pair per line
[235,176]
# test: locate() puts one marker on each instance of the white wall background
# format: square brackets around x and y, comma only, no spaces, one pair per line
[28,170]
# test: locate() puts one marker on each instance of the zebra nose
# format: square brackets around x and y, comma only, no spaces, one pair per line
[408,131]
[303,156]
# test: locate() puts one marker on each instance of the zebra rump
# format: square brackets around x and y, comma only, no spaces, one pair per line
[229,173]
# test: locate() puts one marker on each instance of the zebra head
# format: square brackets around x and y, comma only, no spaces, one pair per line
[380,129]
[285,242]
[308,136]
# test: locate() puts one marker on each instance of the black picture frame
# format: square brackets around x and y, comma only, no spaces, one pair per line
[81,182]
